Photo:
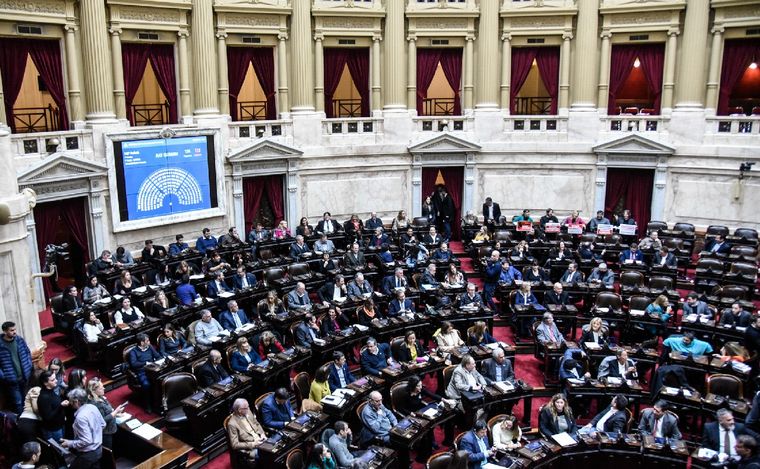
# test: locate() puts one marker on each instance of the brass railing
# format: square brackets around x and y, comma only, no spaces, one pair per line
[252,110]
[150,114]
[347,108]
[438,106]
[36,119]
[533,106]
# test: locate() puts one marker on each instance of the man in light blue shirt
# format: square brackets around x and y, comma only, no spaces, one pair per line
[207,328]
[686,343]
[88,431]
[377,420]
[475,442]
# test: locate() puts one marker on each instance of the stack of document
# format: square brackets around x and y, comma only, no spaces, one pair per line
[564,439]
[740,367]
[147,431]
[225,294]
[333,400]
[504,386]
[637,312]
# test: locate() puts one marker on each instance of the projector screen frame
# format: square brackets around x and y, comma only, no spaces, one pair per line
[170,219]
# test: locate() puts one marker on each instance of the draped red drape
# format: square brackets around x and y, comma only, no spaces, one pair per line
[162,58]
[453,178]
[135,59]
[335,61]
[358,67]
[238,59]
[451,63]
[427,62]
[522,59]
[273,186]
[737,55]
[621,64]
[254,189]
[13,56]
[46,226]
[652,59]
[547,60]
[262,59]
[634,187]
[46,56]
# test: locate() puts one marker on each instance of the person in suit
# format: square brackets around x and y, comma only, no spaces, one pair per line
[428,276]
[231,238]
[276,411]
[475,442]
[373,222]
[298,248]
[717,245]
[359,287]
[245,432]
[611,419]
[572,275]
[186,293]
[491,212]
[693,305]
[339,375]
[353,228]
[618,366]
[664,258]
[465,378]
[625,219]
[243,280]
[632,255]
[658,422]
[70,299]
[324,245]
[258,234]
[570,368]
[595,332]
[556,417]
[524,296]
[333,291]
[377,420]
[445,211]
[411,349]
[378,238]
[560,253]
[392,282]
[218,285]
[151,251]
[716,434]
[443,254]
[307,331]
[400,304]
[752,336]
[206,241]
[334,322]
[432,237]
[547,332]
[234,318]
[603,275]
[354,259]
[549,217]
[299,297]
[736,317]
[212,371]
[375,357]
[498,368]
[243,358]
[557,296]
[327,225]
[471,297]
[179,246]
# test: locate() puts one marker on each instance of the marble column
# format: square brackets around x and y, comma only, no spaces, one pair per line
[669,72]
[692,66]
[506,69]
[98,80]
[394,64]
[713,76]
[564,71]
[184,77]
[117,62]
[223,91]
[282,73]
[604,71]
[488,50]
[411,82]
[469,68]
[319,73]
[72,71]
[204,56]
[302,57]
[376,103]
[584,66]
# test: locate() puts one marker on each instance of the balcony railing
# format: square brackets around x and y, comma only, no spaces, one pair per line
[347,108]
[252,110]
[149,114]
[44,143]
[442,124]
[438,106]
[352,125]
[535,124]
[733,125]
[261,129]
[639,123]
[36,119]
[533,106]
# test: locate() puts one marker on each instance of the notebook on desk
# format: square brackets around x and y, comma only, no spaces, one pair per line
[404,424]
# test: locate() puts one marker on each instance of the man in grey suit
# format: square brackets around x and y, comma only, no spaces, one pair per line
[299,297]
[359,287]
[659,423]
[618,366]
[547,331]
[465,378]
[694,306]
[498,368]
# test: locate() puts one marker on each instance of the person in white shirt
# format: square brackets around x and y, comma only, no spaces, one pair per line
[127,313]
[207,328]
[92,327]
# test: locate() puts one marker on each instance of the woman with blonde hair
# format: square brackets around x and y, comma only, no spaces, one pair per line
[478,334]
[595,332]
[282,231]
[96,395]
[556,417]
[400,222]
[447,337]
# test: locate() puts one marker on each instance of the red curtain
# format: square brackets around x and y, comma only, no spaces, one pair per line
[13,56]
[135,59]
[737,55]
[652,58]
[334,62]
[273,186]
[621,64]
[46,226]
[358,67]
[522,59]
[427,63]
[162,58]
[453,179]
[46,56]
[547,60]
[238,60]
[262,59]
[253,191]
[634,187]
[451,63]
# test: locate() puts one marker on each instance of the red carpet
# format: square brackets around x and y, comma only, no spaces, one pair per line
[46,319]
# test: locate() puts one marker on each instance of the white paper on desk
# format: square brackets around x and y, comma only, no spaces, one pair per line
[117,297]
[333,400]
[741,329]
[361,327]
[427,286]
[704,319]
[103,301]
[686,393]
[431,413]
[592,345]
[142,289]
[691,317]
[637,312]
[197,277]
[603,310]
[575,381]
[706,453]
[344,392]
[134,423]
[319,341]
[670,391]
[613,380]
[741,367]
[564,439]
[123,417]
[147,431]
[489,465]
[225,294]
[504,386]
[493,346]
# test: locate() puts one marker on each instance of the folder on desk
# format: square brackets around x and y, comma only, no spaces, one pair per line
[404,424]
[564,439]
[147,431]
[333,400]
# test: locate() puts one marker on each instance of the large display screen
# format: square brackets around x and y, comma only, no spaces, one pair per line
[165,176]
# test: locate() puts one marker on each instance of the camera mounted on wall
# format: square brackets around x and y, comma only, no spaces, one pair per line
[745,168]
[53,254]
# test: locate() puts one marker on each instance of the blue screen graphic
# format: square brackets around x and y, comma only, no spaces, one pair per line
[166,176]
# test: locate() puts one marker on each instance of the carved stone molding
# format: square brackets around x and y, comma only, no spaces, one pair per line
[348,23]
[37,6]
[441,23]
[148,15]
[749,11]
[253,20]
[638,18]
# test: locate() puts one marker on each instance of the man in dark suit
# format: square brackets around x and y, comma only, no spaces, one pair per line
[658,422]
[445,211]
[474,443]
[694,306]
[354,259]
[618,366]
[327,225]
[359,287]
[471,297]
[333,291]
[736,317]
[725,430]
[307,331]
[234,318]
[212,371]
[276,411]
[718,245]
[746,448]
[428,276]
[631,255]
[491,212]
[432,237]
[664,258]
[399,304]
[557,296]
[339,375]
[497,368]
[572,275]
[258,234]
[179,246]
[298,248]
[152,251]
[243,280]
[753,418]
[392,282]
[611,419]
[373,222]
[218,285]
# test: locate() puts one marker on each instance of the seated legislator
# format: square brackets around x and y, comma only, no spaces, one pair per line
[307,331]
[160,304]
[377,420]
[206,241]
[465,378]
[428,276]
[94,291]
[524,296]
[125,284]
[547,332]
[276,411]
[299,248]
[478,334]
[693,305]
[245,433]
[652,242]
[411,349]
[497,368]
[664,258]
[212,371]
[686,343]
[618,366]
[270,306]
[471,298]
[243,280]
[127,313]
[603,275]
[320,387]
[269,346]
[378,238]
[326,266]
[611,419]
[324,245]
[243,358]
[218,285]
[475,443]
[625,219]
[339,375]
[595,333]
[535,274]
[152,251]
[447,337]
[557,296]
[491,212]
[333,322]
[258,234]
[574,219]
[549,217]
[102,263]
[354,259]
[70,300]
[340,444]
[400,305]
[186,293]
[397,281]
[443,254]
[594,223]
[560,253]
[507,434]
[123,258]
[303,228]
[736,317]
[359,287]
[508,274]
[281,231]
[214,263]
[400,222]
[179,246]
[171,341]
[234,318]
[525,216]
[570,368]
[367,312]
[658,422]
[183,268]
[752,337]
[408,237]
[586,252]
[482,234]
[660,309]
[716,434]
[137,358]
[207,328]
[375,357]
[632,255]
[572,275]
[432,237]
[717,245]
[556,417]
[298,298]
[353,228]
[92,327]
[453,277]
[327,225]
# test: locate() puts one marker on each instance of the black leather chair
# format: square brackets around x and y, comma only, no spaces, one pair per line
[174,388]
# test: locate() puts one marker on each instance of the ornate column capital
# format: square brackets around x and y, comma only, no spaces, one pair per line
[606,34]
[282,36]
[470,37]
[319,36]
[567,35]
[411,38]
[183,34]
[674,31]
[377,37]
[221,34]
[72,28]
[718,29]
[506,37]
